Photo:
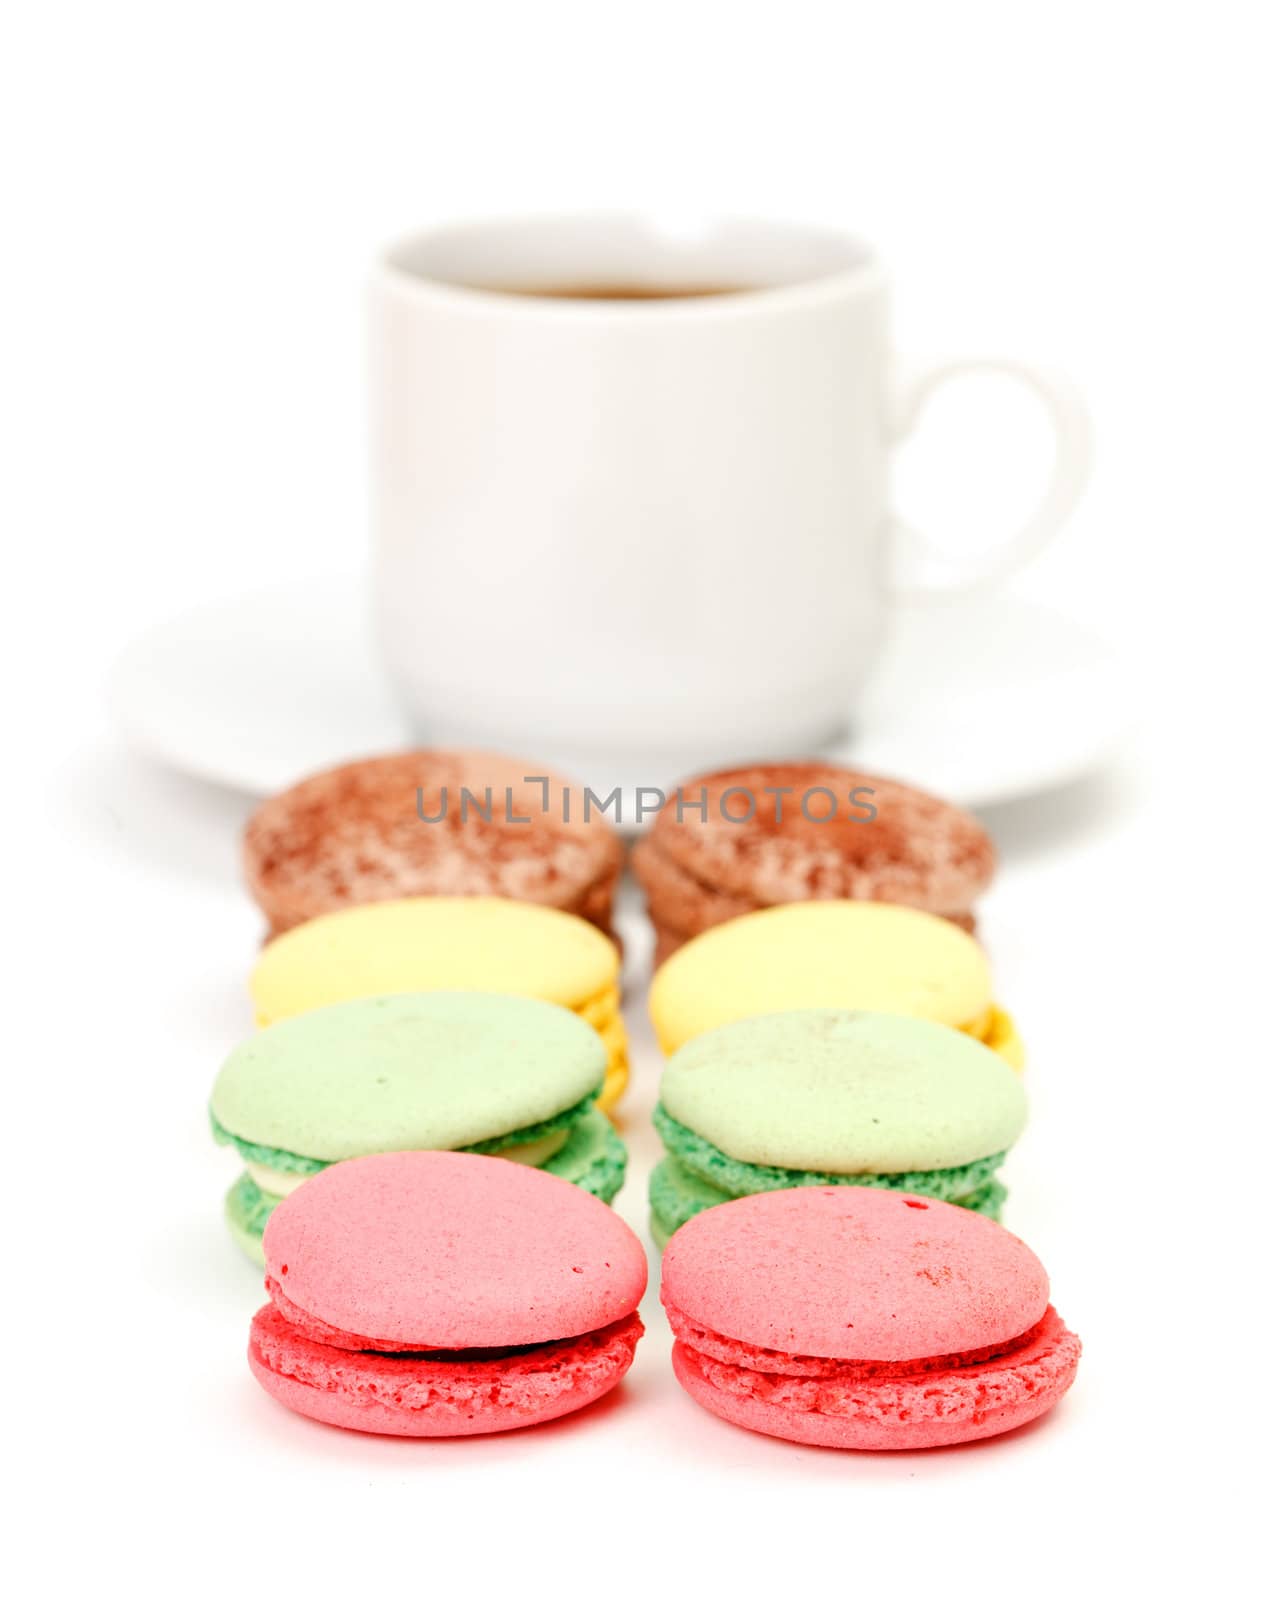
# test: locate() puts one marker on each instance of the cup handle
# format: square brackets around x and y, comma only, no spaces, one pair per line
[943,574]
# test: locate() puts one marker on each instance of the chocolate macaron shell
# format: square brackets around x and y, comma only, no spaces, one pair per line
[678,900]
[681,906]
[366,831]
[765,835]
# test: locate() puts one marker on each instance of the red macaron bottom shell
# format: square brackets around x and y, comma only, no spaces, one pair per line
[439,1395]
[907,1406]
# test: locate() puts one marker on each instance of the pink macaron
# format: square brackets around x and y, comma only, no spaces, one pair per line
[863,1319]
[433,1293]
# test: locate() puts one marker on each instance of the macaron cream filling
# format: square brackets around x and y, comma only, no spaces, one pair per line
[278,1184]
[272,1184]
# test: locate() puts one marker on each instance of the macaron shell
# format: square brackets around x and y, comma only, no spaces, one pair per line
[853,1273]
[833,954]
[956,1406]
[436,1249]
[407,1072]
[593,1158]
[433,943]
[424,1398]
[246,1210]
[358,833]
[844,1092]
[680,907]
[676,1195]
[761,836]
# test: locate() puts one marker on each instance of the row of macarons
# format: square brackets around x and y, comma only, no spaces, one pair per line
[433,822]
[433,1294]
[844,1041]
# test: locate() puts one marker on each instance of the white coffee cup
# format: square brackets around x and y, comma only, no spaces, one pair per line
[646,535]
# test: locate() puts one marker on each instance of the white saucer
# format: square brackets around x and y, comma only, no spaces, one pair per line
[985,702]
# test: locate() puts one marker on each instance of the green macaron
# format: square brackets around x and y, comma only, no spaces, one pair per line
[802,1098]
[494,1074]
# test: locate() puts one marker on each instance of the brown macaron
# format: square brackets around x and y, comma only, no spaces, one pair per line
[727,843]
[424,822]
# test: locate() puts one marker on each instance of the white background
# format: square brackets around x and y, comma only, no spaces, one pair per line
[193,195]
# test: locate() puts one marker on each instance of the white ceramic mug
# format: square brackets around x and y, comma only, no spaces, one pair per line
[650,535]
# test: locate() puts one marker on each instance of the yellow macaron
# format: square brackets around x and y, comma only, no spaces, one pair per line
[859,955]
[448,942]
